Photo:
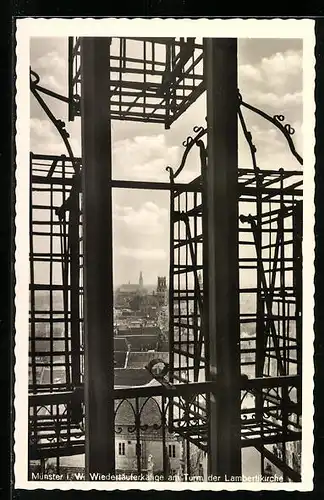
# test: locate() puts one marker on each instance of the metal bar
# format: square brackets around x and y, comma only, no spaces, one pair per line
[268,292]
[51,93]
[62,450]
[138,117]
[171,299]
[70,79]
[74,219]
[220,67]
[271,439]
[138,435]
[288,471]
[190,99]
[32,284]
[297,283]
[65,270]
[51,324]
[132,392]
[97,232]
[155,185]
[270,191]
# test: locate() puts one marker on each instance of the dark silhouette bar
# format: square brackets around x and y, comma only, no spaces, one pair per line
[97,232]
[222,271]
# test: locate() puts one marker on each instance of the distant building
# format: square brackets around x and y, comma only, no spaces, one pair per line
[161,290]
[129,452]
[140,359]
[125,293]
[151,445]
[149,453]
[138,330]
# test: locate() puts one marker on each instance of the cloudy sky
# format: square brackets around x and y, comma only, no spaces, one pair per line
[270,77]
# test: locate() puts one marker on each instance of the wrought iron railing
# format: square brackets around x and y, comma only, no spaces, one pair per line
[56,428]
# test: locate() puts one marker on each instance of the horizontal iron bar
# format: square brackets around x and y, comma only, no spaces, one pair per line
[187,413]
[186,242]
[167,186]
[270,191]
[269,349]
[285,174]
[58,450]
[52,450]
[46,157]
[275,438]
[177,390]
[186,325]
[190,355]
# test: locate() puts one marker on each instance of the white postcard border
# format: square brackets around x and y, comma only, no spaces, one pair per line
[252,28]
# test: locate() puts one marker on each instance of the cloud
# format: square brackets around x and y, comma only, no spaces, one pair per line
[275,84]
[45,139]
[52,69]
[50,60]
[142,254]
[280,63]
[272,100]
[249,72]
[276,72]
[143,158]
[149,219]
[272,148]
[50,82]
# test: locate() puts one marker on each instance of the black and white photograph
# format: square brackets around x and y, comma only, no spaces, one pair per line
[164,254]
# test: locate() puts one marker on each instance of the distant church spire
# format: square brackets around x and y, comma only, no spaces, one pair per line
[141,279]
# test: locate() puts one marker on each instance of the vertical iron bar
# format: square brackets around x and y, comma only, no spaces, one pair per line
[187,236]
[188,468]
[167,95]
[282,220]
[74,282]
[144,76]
[195,324]
[171,286]
[97,232]
[261,341]
[220,68]
[138,436]
[51,316]
[164,450]
[65,279]
[171,295]
[70,79]
[32,284]
[204,331]
[179,285]
[297,284]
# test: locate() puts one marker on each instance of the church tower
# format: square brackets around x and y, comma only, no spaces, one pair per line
[141,280]
[161,289]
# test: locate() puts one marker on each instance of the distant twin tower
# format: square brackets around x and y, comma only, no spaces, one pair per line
[161,283]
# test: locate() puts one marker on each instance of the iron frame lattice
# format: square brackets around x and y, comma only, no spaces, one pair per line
[274,198]
[156,84]
[55,253]
[264,422]
[274,349]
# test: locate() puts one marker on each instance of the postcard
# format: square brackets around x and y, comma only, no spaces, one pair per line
[164,254]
